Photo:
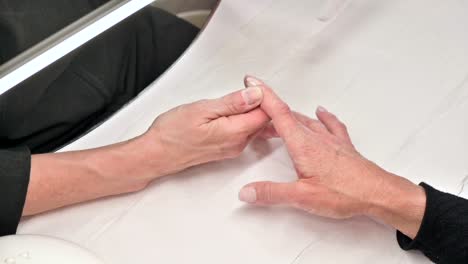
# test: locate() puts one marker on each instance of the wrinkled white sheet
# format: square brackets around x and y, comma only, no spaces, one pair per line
[395,71]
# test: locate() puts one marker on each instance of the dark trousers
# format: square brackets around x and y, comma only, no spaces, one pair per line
[85,87]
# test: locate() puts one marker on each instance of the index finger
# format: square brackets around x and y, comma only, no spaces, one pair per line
[283,118]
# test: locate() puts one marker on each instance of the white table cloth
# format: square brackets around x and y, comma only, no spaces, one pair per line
[395,71]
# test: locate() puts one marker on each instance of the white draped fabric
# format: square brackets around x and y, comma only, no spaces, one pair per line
[395,71]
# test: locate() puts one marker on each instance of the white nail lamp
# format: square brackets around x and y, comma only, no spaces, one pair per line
[29,249]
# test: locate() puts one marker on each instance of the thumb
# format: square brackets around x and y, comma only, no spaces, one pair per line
[268,193]
[236,103]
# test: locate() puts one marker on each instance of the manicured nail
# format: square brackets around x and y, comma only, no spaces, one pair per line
[248,195]
[253,81]
[252,95]
[321,109]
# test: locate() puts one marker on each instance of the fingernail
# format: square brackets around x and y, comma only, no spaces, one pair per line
[321,109]
[252,81]
[252,95]
[248,195]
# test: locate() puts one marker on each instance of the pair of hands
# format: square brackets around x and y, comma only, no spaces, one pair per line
[334,180]
[331,172]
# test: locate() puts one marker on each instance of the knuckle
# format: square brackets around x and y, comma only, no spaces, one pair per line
[237,149]
[342,125]
[230,105]
[264,192]
[234,148]
[267,89]
[179,111]
[297,198]
[310,123]
[182,108]
[338,122]
[243,130]
[302,188]
[202,102]
[198,106]
[315,125]
[282,107]
[331,117]
[300,195]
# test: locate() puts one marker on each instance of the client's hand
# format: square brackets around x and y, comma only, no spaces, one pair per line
[207,130]
[334,179]
[188,135]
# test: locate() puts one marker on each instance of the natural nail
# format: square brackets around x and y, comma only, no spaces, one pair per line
[252,95]
[248,195]
[252,81]
[321,109]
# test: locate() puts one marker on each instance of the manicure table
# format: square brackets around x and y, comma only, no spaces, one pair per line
[396,72]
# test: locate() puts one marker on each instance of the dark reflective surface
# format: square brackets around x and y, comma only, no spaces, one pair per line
[25,23]
[82,89]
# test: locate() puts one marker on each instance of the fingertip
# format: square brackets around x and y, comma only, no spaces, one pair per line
[323,114]
[333,123]
[248,194]
[250,81]
[247,83]
[321,109]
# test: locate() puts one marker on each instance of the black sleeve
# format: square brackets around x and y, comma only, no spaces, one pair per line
[443,235]
[15,166]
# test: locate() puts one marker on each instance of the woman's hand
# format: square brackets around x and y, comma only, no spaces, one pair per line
[334,179]
[207,130]
[188,135]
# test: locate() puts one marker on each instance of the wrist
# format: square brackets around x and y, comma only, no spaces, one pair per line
[157,156]
[167,155]
[399,203]
[146,158]
[128,166]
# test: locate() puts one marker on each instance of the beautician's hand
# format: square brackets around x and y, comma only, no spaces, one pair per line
[334,180]
[207,130]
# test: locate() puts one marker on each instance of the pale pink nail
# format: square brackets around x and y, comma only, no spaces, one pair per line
[248,195]
[321,109]
[252,95]
[253,81]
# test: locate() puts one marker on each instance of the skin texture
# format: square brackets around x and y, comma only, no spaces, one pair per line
[334,179]
[183,137]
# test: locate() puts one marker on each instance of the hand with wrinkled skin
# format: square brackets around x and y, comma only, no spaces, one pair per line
[185,136]
[208,130]
[334,179]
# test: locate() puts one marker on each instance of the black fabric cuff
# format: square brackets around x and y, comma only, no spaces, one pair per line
[15,166]
[442,229]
